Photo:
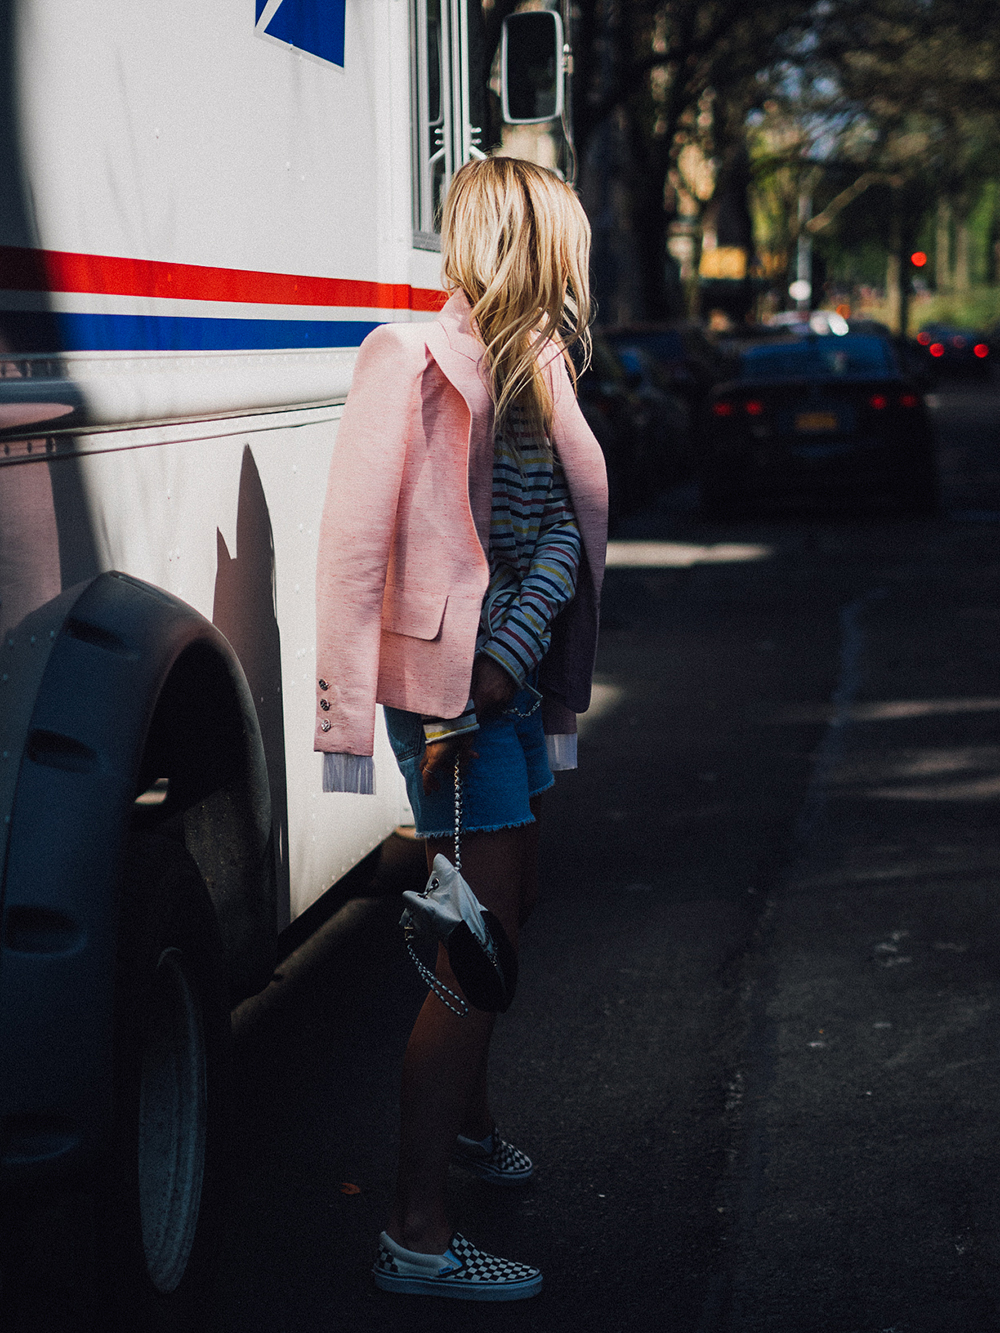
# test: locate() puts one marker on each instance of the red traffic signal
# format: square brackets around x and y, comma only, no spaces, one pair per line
[918,259]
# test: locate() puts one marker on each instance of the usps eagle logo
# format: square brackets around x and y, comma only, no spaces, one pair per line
[315,27]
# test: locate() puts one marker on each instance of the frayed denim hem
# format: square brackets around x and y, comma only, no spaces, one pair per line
[509,769]
[491,828]
[480,828]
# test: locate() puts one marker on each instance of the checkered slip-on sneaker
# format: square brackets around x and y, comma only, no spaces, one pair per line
[462,1272]
[493,1159]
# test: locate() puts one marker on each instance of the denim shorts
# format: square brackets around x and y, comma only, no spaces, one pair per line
[512,766]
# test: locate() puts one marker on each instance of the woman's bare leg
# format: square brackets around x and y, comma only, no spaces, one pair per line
[444,1069]
[478,1119]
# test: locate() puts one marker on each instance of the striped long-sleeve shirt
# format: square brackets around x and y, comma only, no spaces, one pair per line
[534,560]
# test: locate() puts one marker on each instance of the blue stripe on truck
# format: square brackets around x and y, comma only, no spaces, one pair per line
[55,331]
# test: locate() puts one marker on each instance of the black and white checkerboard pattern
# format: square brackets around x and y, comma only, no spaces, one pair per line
[480,1267]
[504,1164]
[463,1263]
[386,1261]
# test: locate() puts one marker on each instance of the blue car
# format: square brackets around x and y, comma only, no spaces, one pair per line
[818,421]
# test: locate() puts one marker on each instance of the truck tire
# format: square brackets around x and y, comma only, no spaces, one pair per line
[161,1194]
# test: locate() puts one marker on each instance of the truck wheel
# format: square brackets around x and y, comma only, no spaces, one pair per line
[161,1195]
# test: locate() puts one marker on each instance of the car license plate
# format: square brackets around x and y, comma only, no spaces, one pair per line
[815,421]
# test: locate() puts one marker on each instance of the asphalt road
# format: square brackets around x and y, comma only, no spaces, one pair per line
[756,1050]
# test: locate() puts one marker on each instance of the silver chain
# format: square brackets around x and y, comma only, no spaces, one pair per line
[444,993]
[458,816]
[516,712]
[437,985]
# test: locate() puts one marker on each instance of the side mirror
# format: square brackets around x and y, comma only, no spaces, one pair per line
[531,67]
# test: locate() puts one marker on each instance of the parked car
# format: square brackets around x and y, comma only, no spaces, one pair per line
[809,321]
[625,423]
[955,351]
[671,417]
[818,419]
[688,364]
[909,353]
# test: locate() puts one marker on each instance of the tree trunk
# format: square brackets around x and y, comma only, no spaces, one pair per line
[905,290]
[942,265]
[893,291]
[647,177]
[962,248]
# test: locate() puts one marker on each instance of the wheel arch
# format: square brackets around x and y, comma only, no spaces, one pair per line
[137,686]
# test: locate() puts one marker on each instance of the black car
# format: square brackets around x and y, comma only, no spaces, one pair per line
[817,420]
[671,418]
[688,364]
[627,427]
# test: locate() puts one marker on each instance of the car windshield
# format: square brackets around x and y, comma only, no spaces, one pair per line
[827,356]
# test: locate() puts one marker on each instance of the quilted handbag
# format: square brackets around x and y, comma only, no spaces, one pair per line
[479,950]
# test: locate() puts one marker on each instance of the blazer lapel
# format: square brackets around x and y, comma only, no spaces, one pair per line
[458,352]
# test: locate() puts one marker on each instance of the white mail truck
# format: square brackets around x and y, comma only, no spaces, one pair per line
[204,208]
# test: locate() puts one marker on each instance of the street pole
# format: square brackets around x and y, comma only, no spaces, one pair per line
[803,256]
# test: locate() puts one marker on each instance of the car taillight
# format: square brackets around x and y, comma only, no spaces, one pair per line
[753,407]
[909,400]
[981,349]
[923,339]
[936,349]
[722,409]
[878,401]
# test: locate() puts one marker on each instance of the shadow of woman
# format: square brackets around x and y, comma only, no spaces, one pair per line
[245,611]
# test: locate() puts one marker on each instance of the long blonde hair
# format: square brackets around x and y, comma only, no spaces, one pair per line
[516,240]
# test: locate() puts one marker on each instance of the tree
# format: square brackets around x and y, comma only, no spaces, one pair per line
[643,71]
[912,87]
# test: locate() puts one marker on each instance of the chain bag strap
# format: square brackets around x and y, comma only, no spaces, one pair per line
[479,951]
[444,993]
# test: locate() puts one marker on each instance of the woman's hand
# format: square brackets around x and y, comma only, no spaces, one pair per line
[492,688]
[492,691]
[439,757]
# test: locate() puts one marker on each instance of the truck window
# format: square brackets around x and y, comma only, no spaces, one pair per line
[448,85]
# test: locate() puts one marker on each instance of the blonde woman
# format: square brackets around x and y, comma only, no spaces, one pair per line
[461,558]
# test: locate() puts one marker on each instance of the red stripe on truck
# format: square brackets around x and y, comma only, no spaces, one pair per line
[25,270]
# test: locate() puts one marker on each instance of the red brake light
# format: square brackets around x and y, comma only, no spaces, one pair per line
[908,400]
[753,407]
[936,349]
[923,339]
[878,401]
[722,409]
[981,349]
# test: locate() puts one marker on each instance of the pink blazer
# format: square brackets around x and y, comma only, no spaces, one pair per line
[402,566]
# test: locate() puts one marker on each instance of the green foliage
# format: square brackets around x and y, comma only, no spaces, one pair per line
[978,308]
[899,97]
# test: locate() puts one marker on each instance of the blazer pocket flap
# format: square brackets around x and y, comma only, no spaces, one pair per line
[416,614]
